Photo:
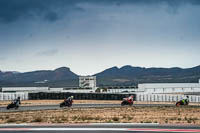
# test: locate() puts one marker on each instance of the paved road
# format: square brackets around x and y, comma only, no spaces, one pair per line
[47,107]
[98,128]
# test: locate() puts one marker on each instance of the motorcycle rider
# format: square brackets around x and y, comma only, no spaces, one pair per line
[129,99]
[68,100]
[17,102]
[186,100]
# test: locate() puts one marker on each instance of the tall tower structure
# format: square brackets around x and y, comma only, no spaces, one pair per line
[87,82]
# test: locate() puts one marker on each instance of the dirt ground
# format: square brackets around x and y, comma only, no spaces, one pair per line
[162,115]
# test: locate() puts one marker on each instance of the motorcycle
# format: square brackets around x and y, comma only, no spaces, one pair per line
[127,102]
[12,105]
[182,103]
[64,104]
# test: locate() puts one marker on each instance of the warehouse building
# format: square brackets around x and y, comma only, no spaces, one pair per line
[121,89]
[169,87]
[24,89]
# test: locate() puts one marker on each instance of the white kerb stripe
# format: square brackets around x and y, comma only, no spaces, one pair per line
[80,129]
[102,129]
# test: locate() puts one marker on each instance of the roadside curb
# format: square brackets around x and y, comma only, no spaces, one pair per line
[79,124]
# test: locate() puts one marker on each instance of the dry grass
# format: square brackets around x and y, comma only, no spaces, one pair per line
[163,115]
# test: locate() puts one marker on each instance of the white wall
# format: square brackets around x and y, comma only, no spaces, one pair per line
[120,90]
[169,87]
[24,89]
[79,91]
[55,89]
[165,98]
[12,96]
[172,90]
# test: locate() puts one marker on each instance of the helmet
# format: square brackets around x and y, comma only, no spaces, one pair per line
[187,96]
[131,96]
[18,98]
[72,97]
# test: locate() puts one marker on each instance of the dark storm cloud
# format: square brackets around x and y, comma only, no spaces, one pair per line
[11,10]
[50,52]
[52,10]
[51,16]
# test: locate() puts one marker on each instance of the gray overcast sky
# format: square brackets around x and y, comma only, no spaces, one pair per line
[89,36]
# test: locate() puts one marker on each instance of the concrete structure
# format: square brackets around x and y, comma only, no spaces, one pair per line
[121,89]
[77,90]
[55,90]
[87,82]
[24,89]
[169,87]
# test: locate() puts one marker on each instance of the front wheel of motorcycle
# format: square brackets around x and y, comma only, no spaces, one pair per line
[122,104]
[178,104]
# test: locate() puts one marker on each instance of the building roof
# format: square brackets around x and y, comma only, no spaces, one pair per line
[168,85]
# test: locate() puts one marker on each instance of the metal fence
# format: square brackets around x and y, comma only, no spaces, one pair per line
[78,96]
[165,98]
[12,96]
[97,96]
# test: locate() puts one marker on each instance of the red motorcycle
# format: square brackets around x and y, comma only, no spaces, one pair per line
[127,101]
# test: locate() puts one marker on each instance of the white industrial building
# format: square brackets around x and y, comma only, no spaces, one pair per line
[72,90]
[169,87]
[121,89]
[87,82]
[24,89]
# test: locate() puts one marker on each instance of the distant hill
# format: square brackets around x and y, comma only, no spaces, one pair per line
[129,75]
[126,75]
[58,77]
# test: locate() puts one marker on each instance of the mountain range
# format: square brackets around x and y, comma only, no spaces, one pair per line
[56,78]
[126,75]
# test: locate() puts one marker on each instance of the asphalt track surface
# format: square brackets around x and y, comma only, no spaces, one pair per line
[99,128]
[48,107]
